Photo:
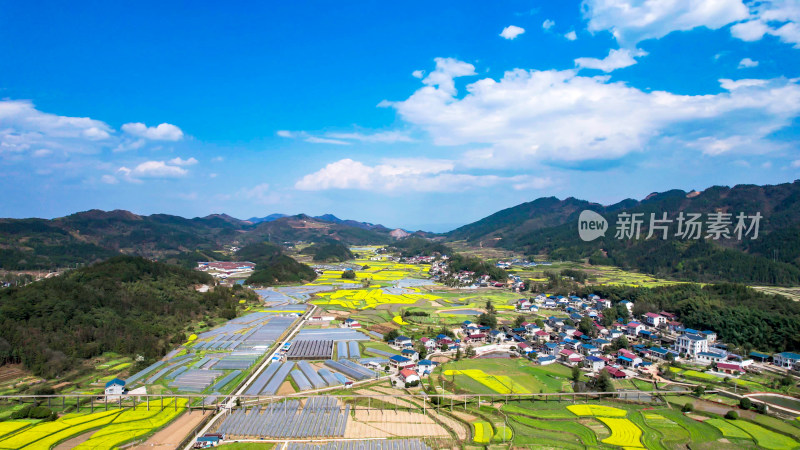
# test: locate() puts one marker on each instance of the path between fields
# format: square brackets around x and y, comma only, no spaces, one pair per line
[175,432]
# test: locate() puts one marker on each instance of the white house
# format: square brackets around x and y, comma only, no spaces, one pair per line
[655,320]
[408,376]
[785,359]
[633,328]
[691,344]
[115,387]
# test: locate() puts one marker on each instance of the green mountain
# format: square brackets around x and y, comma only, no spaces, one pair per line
[549,227]
[272,266]
[329,251]
[127,305]
[91,236]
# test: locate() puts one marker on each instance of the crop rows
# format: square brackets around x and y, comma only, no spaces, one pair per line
[397,444]
[319,417]
[195,380]
[350,369]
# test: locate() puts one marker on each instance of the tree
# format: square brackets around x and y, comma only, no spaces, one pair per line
[422,350]
[518,321]
[688,407]
[731,415]
[699,390]
[620,342]
[469,352]
[576,373]
[443,347]
[349,274]
[391,335]
[586,326]
[745,403]
[603,382]
[490,307]
[458,353]
[622,312]
[487,320]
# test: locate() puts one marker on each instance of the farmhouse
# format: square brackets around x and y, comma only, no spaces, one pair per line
[691,344]
[785,359]
[115,387]
[655,320]
[400,362]
[408,376]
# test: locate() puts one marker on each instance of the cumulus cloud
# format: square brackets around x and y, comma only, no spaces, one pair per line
[418,74]
[403,175]
[109,179]
[183,162]
[162,132]
[571,35]
[547,24]
[779,18]
[747,63]
[23,129]
[511,32]
[796,163]
[151,169]
[616,59]
[561,116]
[285,133]
[632,21]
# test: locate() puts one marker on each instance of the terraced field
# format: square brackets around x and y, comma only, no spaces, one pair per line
[114,427]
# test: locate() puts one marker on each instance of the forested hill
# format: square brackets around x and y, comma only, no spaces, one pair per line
[272,266]
[549,226]
[127,305]
[91,236]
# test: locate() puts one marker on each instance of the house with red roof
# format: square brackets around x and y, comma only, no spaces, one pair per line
[655,320]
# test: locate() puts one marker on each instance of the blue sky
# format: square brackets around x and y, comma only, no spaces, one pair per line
[416,114]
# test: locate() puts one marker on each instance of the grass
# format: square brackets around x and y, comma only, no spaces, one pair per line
[46,434]
[502,433]
[766,438]
[131,424]
[582,433]
[728,429]
[700,376]
[501,384]
[534,411]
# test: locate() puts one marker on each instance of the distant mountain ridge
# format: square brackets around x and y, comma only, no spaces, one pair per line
[89,236]
[549,226]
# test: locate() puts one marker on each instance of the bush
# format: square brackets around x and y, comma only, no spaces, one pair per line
[731,415]
[349,275]
[745,403]
[411,384]
[761,408]
[689,407]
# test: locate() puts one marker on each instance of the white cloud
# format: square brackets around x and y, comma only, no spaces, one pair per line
[183,162]
[109,179]
[42,152]
[632,21]
[418,74]
[285,133]
[408,175]
[616,59]
[319,140]
[547,24]
[342,138]
[796,163]
[217,159]
[510,32]
[766,165]
[260,194]
[387,137]
[24,128]
[129,144]
[571,35]
[779,18]
[553,115]
[151,169]
[162,132]
[747,63]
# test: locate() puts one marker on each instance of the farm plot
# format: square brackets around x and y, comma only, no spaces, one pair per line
[624,433]
[396,444]
[46,434]
[482,432]
[380,423]
[728,429]
[361,299]
[766,438]
[501,384]
[131,424]
[596,410]
[318,417]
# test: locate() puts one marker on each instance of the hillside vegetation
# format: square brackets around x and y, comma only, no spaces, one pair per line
[272,266]
[550,226]
[328,251]
[127,305]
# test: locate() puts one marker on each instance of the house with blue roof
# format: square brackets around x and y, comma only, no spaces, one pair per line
[400,362]
[116,387]
[786,359]
[546,359]
[596,363]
